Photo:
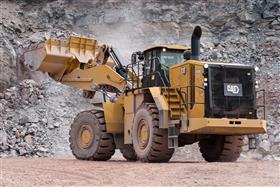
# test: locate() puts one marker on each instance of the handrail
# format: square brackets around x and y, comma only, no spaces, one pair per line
[157,72]
[143,75]
[184,102]
[183,97]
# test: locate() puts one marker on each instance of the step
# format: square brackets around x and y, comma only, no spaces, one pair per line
[177,112]
[170,89]
[176,109]
[171,94]
[175,105]
[176,115]
[172,97]
[173,134]
[174,101]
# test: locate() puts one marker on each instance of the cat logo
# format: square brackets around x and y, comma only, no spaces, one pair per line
[232,89]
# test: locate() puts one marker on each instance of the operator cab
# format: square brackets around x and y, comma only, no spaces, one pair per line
[158,59]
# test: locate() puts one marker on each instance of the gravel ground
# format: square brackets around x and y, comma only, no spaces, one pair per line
[70,172]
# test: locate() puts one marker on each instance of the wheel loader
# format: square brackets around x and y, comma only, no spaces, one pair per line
[164,98]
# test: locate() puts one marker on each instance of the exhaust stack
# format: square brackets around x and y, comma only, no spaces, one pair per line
[195,43]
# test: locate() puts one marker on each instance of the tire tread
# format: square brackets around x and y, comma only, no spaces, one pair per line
[106,147]
[229,149]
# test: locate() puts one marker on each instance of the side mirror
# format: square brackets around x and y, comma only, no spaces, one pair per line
[137,55]
[133,58]
[141,57]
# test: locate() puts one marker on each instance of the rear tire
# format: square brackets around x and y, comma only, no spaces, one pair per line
[128,152]
[219,148]
[88,137]
[149,141]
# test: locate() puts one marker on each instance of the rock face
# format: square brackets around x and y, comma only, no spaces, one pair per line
[245,32]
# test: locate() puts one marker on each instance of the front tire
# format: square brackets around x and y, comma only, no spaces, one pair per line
[88,137]
[219,148]
[149,141]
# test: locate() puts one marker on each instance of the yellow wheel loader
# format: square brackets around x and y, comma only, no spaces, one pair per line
[164,98]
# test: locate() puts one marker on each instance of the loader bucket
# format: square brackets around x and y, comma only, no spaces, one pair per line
[58,56]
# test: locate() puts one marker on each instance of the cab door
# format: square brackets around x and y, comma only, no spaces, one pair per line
[154,75]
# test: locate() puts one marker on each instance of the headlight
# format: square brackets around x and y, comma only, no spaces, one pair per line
[256,68]
[257,84]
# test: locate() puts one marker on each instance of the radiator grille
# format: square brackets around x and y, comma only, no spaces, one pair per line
[219,104]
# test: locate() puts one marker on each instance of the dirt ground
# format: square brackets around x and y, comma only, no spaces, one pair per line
[71,172]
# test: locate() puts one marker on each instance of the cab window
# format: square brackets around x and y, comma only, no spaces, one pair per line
[171,57]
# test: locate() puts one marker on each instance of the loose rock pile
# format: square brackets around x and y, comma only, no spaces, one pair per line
[23,134]
[33,117]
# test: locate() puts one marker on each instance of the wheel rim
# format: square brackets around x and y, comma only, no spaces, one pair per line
[85,136]
[143,134]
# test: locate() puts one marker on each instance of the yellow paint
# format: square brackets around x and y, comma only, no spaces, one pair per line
[181,80]
[131,103]
[86,136]
[53,56]
[143,134]
[98,75]
[226,126]
[156,93]
[114,117]
[74,62]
